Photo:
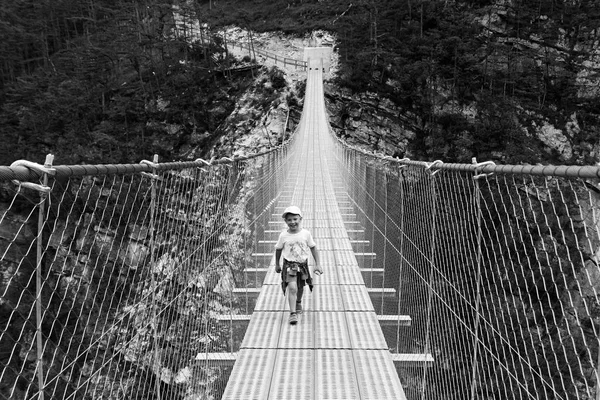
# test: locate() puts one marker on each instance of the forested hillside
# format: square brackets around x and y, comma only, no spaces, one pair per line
[494,79]
[106,81]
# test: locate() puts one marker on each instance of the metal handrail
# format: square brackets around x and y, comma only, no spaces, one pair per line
[565,171]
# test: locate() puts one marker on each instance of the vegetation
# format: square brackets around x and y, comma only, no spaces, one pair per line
[515,63]
[108,81]
[105,81]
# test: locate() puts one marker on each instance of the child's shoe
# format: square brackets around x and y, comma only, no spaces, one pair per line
[293,319]
[298,308]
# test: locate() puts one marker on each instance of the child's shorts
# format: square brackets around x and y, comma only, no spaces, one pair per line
[295,271]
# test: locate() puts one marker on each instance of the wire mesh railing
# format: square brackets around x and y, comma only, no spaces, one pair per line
[497,267]
[114,276]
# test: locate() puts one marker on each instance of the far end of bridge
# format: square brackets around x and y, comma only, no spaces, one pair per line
[318,57]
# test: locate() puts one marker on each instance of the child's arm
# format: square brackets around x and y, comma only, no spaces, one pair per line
[277,258]
[315,255]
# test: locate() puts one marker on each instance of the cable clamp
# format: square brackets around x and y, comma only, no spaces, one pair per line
[30,185]
[149,175]
[483,164]
[433,164]
[153,165]
[40,169]
[397,160]
[400,160]
[387,157]
[204,161]
[230,160]
[150,164]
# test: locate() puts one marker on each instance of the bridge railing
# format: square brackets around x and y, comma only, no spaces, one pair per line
[497,267]
[115,278]
[270,55]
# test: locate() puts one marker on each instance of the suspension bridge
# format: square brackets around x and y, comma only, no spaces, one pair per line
[442,281]
[338,350]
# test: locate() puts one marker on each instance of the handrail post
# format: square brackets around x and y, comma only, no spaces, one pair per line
[385,234]
[154,324]
[43,189]
[153,260]
[401,183]
[430,279]
[477,199]
[38,279]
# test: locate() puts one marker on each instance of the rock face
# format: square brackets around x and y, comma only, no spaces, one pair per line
[260,120]
[370,122]
[17,269]
[555,139]
[114,290]
[376,124]
[536,102]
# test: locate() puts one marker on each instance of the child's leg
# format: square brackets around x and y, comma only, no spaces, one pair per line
[300,292]
[292,291]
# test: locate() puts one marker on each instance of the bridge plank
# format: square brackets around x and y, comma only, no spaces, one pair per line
[263,331]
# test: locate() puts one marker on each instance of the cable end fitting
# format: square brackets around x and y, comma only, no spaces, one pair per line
[430,165]
[479,165]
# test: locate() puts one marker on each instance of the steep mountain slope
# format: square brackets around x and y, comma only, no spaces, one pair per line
[508,81]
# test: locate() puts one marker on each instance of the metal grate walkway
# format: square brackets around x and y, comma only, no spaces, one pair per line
[337,350]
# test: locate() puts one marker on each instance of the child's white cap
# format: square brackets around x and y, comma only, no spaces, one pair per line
[292,210]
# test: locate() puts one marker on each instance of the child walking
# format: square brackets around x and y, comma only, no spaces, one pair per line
[295,244]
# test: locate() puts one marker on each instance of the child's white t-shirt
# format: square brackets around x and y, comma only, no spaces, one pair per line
[295,246]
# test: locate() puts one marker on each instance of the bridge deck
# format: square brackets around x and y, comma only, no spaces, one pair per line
[337,350]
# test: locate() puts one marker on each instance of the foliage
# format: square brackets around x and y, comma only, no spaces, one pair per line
[429,56]
[89,78]
[116,85]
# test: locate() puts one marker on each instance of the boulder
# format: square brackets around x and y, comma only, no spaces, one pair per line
[138,232]
[61,233]
[165,266]
[226,283]
[134,254]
